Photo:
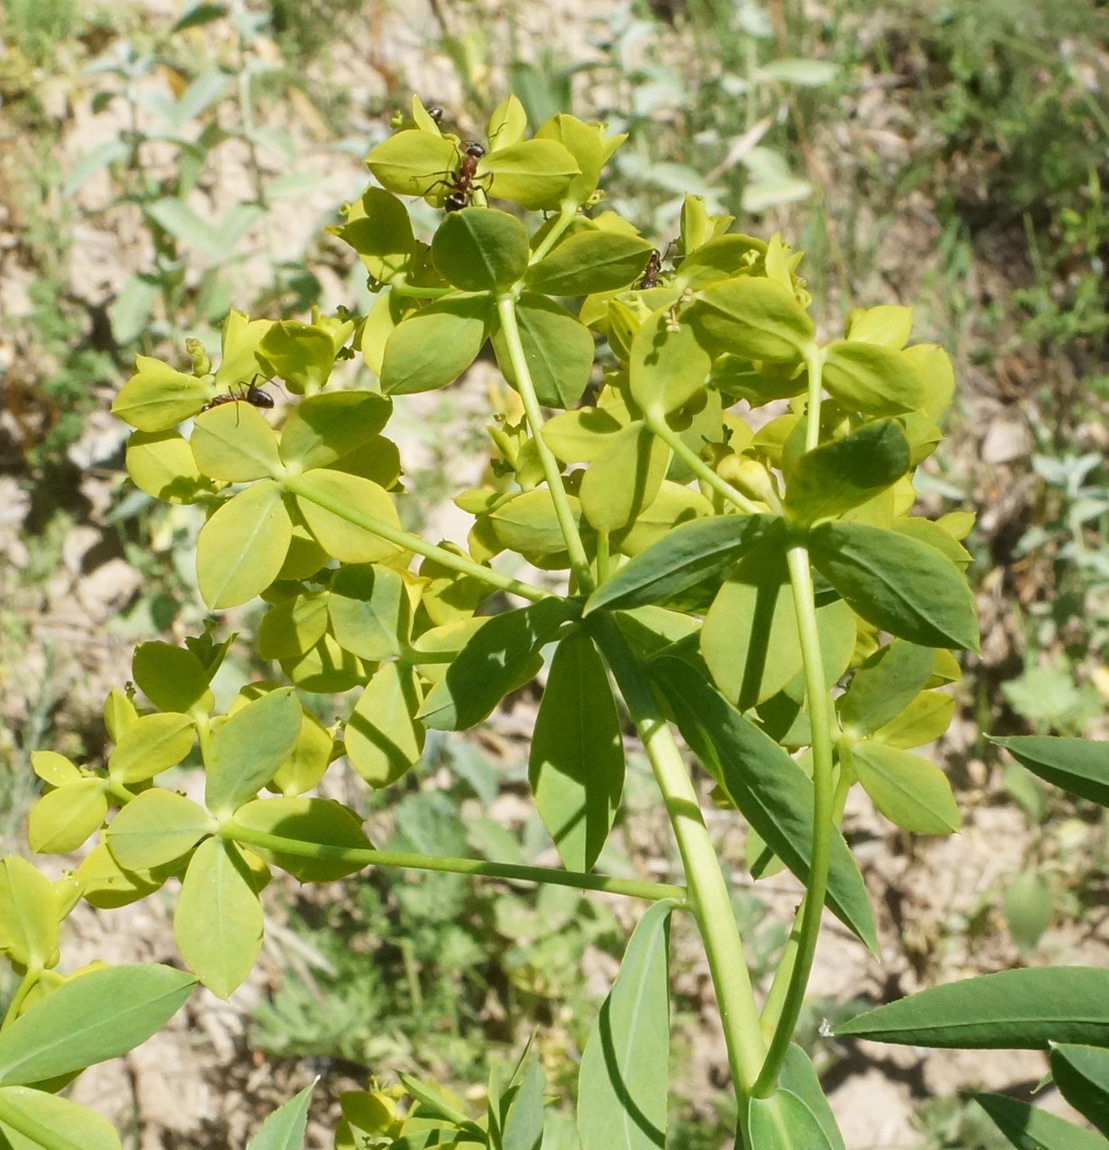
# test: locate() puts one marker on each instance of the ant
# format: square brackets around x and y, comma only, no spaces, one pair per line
[248,393]
[649,278]
[436,113]
[460,193]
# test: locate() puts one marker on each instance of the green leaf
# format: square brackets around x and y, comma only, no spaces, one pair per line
[30,1119]
[691,553]
[624,1079]
[370,611]
[157,396]
[324,428]
[161,463]
[788,1121]
[62,820]
[308,763]
[884,685]
[668,364]
[909,790]
[1029,1128]
[294,627]
[172,678]
[506,124]
[588,262]
[532,173]
[1079,766]
[870,378]
[1082,1075]
[718,259]
[1028,908]
[107,885]
[922,721]
[557,346]
[150,745]
[321,821]
[433,346]
[218,922]
[342,539]
[501,657]
[806,73]
[383,736]
[845,473]
[303,354]
[249,747]
[480,250]
[90,1018]
[1015,1009]
[673,507]
[29,913]
[234,442]
[889,325]
[284,1128]
[754,318]
[527,523]
[896,583]
[576,764]
[586,143]
[156,827]
[773,793]
[412,162]
[241,548]
[799,1078]
[580,436]
[381,234]
[523,1128]
[624,480]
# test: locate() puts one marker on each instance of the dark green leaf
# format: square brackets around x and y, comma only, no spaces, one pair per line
[896,583]
[1079,766]
[576,766]
[884,685]
[624,1078]
[1015,1009]
[1082,1075]
[849,471]
[90,1018]
[501,657]
[172,678]
[434,346]
[1029,1128]
[588,262]
[873,379]
[557,346]
[523,1128]
[478,250]
[773,793]
[321,821]
[690,554]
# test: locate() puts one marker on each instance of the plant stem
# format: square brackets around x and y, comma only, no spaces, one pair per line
[26,985]
[412,542]
[708,891]
[804,602]
[699,467]
[402,287]
[566,215]
[367,856]
[579,562]
[815,363]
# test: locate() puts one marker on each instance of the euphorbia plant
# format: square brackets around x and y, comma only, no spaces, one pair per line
[765,594]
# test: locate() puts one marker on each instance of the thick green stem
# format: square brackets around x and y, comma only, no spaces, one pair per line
[579,562]
[412,542]
[804,602]
[365,857]
[699,467]
[708,891]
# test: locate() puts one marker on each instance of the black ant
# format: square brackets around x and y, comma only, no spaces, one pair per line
[460,194]
[436,113]
[248,393]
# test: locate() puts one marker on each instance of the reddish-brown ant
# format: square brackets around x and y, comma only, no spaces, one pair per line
[248,393]
[649,278]
[460,193]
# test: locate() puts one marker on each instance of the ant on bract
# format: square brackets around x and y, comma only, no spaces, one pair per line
[460,192]
[248,393]
[649,278]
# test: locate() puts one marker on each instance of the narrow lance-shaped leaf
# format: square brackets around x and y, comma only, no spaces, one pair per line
[1079,766]
[576,767]
[1082,1075]
[690,554]
[897,583]
[31,1119]
[90,1018]
[624,1079]
[284,1128]
[1014,1009]
[1029,1128]
[769,788]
